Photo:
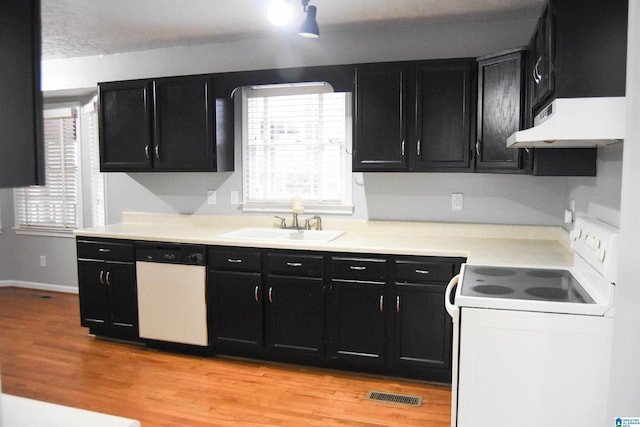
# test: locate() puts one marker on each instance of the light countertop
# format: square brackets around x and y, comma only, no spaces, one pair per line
[486,244]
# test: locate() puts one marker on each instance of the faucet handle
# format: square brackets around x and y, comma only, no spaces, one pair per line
[283,222]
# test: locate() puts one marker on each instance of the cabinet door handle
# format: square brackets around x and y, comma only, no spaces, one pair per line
[536,74]
[255,293]
[398,303]
[381,305]
[234,261]
[106,279]
[270,294]
[478,148]
[146,150]
[294,264]
[423,271]
[418,144]
[157,152]
[104,250]
[101,277]
[402,148]
[357,267]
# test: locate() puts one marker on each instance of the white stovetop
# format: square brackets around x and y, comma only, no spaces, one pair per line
[514,245]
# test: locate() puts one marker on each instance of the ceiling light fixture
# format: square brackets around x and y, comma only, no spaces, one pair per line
[309,27]
[280,12]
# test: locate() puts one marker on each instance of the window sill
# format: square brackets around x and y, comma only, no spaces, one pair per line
[309,209]
[45,232]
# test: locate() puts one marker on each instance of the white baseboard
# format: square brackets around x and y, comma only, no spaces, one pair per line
[39,286]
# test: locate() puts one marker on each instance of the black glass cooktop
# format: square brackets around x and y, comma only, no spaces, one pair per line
[523,283]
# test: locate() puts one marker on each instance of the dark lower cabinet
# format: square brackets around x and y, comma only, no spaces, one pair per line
[295,316]
[107,288]
[356,322]
[234,302]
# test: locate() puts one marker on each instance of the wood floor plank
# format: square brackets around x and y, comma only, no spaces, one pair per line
[45,354]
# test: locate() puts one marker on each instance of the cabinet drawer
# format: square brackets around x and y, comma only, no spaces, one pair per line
[366,269]
[234,259]
[105,250]
[423,271]
[296,265]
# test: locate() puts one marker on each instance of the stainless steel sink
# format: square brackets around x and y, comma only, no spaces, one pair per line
[283,235]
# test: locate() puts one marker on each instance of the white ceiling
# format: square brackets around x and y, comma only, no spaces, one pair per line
[72,28]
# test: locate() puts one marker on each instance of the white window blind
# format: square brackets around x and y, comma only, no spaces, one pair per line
[56,206]
[296,144]
[90,125]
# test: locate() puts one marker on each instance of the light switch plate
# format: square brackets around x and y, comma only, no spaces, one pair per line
[457,201]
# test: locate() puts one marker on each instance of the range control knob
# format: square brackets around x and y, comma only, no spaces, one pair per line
[594,242]
[600,255]
[576,233]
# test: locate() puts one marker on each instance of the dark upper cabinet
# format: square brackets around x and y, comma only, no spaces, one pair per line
[380,118]
[499,112]
[443,110]
[171,124]
[578,49]
[125,114]
[413,116]
[21,145]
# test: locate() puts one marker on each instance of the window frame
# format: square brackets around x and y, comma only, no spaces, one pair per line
[346,206]
[57,111]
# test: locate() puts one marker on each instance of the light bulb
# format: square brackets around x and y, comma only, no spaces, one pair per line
[279,12]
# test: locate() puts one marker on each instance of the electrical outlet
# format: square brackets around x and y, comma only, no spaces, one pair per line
[211,197]
[43,261]
[234,198]
[457,201]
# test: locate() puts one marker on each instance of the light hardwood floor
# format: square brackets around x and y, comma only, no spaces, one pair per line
[45,354]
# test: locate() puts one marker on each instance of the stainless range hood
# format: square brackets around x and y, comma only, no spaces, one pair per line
[575,123]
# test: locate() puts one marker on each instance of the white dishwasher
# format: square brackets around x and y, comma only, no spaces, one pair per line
[172,293]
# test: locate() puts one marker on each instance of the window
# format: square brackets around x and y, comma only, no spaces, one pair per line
[56,206]
[296,141]
[94,190]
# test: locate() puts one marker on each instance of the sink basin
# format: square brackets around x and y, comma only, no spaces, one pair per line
[283,235]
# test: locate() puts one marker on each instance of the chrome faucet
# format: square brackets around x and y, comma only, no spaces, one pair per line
[294,223]
[307,223]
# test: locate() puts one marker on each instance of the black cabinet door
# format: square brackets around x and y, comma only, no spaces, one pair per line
[184,124]
[21,145]
[499,112]
[295,315]
[234,301]
[356,322]
[125,126]
[120,278]
[443,102]
[542,61]
[379,120]
[94,296]
[423,330]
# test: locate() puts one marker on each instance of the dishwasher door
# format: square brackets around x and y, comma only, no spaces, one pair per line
[172,303]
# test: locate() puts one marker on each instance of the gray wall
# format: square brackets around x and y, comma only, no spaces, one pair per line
[422,196]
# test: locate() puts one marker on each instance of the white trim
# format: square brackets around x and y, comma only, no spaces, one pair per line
[66,233]
[39,286]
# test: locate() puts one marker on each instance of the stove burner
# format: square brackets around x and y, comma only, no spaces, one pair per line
[545,274]
[494,271]
[548,293]
[492,289]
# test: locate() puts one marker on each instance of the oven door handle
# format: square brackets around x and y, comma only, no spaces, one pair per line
[451,308]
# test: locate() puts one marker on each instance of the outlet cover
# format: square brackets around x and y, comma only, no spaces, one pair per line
[457,201]
[211,197]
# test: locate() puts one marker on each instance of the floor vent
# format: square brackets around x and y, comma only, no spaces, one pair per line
[41,296]
[394,398]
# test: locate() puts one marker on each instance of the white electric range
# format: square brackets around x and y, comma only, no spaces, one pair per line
[532,345]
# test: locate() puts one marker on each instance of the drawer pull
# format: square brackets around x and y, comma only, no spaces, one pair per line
[104,250]
[234,261]
[255,293]
[294,264]
[381,305]
[358,267]
[398,303]
[423,271]
[270,294]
